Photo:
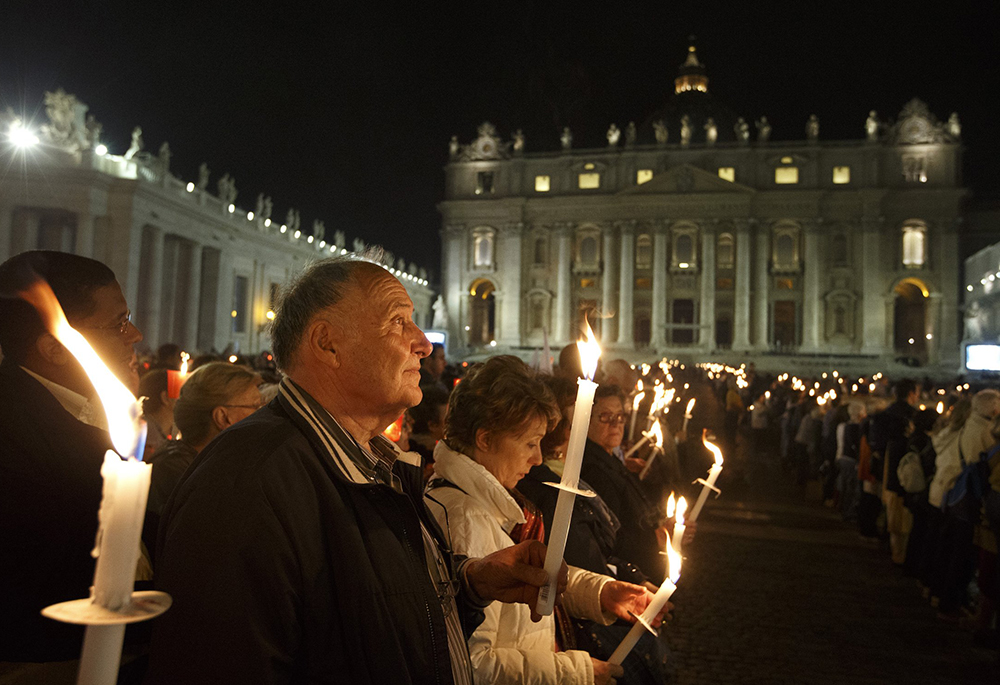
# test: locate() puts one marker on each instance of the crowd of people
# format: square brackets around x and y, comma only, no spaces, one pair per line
[303,541]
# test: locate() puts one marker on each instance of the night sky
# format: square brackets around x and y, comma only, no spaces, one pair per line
[344,110]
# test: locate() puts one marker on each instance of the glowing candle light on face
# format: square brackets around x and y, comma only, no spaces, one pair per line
[657,433]
[653,609]
[713,475]
[590,353]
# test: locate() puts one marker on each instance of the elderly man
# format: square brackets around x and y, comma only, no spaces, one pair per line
[297,547]
[52,442]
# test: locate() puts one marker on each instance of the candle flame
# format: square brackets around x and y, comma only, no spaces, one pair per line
[682,507]
[687,412]
[673,563]
[638,385]
[712,448]
[119,403]
[637,400]
[657,434]
[184,363]
[590,353]
[671,506]
[940,407]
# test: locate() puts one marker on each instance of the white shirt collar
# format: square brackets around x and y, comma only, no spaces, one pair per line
[81,408]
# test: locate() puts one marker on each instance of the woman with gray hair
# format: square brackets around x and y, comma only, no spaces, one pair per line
[214,397]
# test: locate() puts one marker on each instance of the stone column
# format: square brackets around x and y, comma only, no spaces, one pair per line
[452,287]
[84,234]
[564,292]
[741,315]
[932,326]
[609,325]
[224,305]
[626,284]
[6,230]
[812,304]
[706,334]
[509,272]
[761,289]
[151,326]
[658,317]
[873,302]
[194,298]
[946,335]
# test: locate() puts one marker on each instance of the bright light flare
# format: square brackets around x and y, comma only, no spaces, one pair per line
[185,358]
[119,403]
[671,506]
[657,434]
[690,407]
[673,563]
[940,407]
[682,507]
[637,401]
[590,353]
[22,137]
[714,449]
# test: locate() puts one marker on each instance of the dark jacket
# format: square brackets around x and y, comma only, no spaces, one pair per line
[283,570]
[621,491]
[169,464]
[888,439]
[50,491]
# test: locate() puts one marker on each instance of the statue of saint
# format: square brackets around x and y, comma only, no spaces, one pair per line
[440,321]
[711,132]
[203,174]
[630,134]
[137,143]
[763,130]
[265,212]
[359,246]
[258,209]
[742,131]
[401,264]
[566,138]
[453,147]
[812,128]
[164,157]
[94,129]
[614,133]
[953,126]
[685,130]
[660,131]
[222,186]
[518,142]
[319,230]
[339,239]
[871,127]
[231,196]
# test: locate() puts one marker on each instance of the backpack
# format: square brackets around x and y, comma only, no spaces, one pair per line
[964,500]
[911,472]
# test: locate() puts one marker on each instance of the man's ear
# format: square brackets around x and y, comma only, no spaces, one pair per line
[323,341]
[220,417]
[51,350]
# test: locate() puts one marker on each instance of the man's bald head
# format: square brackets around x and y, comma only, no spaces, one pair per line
[322,285]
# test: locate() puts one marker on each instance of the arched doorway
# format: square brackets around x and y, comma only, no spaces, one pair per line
[910,318]
[482,312]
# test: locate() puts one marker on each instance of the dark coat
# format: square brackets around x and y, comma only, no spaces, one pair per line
[621,491]
[282,570]
[50,491]
[888,439]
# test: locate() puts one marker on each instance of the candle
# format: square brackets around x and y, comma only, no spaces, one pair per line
[713,475]
[175,379]
[590,352]
[657,434]
[678,537]
[635,410]
[687,413]
[123,501]
[655,606]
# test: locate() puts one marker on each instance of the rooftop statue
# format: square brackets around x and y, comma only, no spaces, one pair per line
[94,129]
[411,269]
[742,131]
[227,189]
[339,239]
[440,321]
[812,128]
[660,132]
[258,209]
[763,130]
[401,264]
[453,147]
[66,128]
[953,127]
[630,134]
[319,230]
[566,138]
[422,273]
[614,133]
[359,246]
[137,144]
[265,213]
[164,157]
[685,130]
[518,142]
[203,175]
[711,131]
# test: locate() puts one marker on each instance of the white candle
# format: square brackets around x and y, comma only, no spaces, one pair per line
[590,352]
[713,475]
[678,537]
[687,413]
[657,433]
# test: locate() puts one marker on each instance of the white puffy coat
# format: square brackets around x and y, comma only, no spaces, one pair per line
[508,647]
[974,438]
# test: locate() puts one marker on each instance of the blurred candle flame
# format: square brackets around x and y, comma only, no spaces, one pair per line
[638,400]
[681,509]
[657,434]
[673,563]
[119,403]
[712,448]
[590,353]
[671,506]
[690,406]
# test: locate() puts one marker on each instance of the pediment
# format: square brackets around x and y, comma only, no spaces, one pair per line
[686,179]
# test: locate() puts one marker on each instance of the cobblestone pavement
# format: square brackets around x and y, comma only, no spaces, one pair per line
[776,589]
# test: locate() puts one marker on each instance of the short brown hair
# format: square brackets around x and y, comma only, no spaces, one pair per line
[499,396]
[210,386]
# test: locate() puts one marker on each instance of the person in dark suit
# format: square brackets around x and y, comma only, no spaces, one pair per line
[52,441]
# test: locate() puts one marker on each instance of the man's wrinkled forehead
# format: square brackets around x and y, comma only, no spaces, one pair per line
[375,291]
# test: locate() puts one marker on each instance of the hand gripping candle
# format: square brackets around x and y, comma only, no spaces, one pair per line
[590,352]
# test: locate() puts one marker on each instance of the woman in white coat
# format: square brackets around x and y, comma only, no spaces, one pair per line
[497,417]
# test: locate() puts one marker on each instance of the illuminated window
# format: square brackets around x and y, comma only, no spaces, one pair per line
[587,282]
[643,251]
[542,184]
[785,284]
[724,252]
[914,246]
[643,175]
[787,160]
[786,175]
[727,173]
[643,283]
[589,181]
[915,168]
[589,166]
[484,183]
[482,248]
[841,175]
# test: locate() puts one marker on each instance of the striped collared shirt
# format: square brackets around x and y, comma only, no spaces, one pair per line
[373,466]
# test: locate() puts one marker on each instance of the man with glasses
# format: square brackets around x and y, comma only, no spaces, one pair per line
[53,436]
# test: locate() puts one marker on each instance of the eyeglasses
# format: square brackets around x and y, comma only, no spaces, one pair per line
[615,419]
[121,327]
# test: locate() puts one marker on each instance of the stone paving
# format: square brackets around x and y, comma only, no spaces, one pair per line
[777,589]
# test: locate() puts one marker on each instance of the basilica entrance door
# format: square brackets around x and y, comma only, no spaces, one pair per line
[482,312]
[909,320]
